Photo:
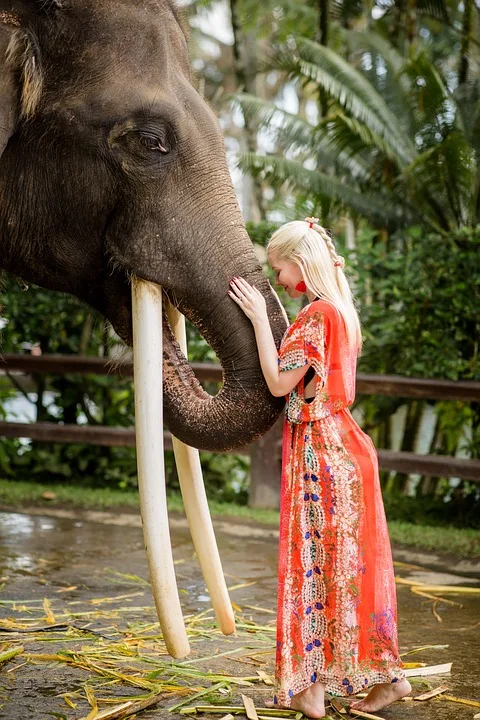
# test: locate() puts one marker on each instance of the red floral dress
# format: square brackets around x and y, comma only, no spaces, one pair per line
[336,618]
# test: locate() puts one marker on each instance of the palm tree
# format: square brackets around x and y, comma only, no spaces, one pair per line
[398,145]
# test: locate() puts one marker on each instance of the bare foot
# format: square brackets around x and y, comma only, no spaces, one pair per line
[382,695]
[311,701]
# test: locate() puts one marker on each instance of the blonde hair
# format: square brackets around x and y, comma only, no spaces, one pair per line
[308,244]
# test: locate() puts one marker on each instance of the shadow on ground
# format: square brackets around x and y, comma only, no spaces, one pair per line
[83,582]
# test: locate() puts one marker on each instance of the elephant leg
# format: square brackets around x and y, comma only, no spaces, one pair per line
[147,358]
[196,507]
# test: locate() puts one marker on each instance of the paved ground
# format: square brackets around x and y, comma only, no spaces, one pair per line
[72,560]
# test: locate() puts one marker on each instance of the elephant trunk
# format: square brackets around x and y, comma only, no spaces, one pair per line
[192,243]
[243,409]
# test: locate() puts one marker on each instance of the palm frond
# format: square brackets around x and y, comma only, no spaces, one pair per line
[352,137]
[268,115]
[396,86]
[345,10]
[349,87]
[421,165]
[436,9]
[375,43]
[442,178]
[430,89]
[292,175]
[330,154]
[294,134]
[467,98]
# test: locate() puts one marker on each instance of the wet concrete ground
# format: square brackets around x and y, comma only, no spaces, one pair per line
[72,558]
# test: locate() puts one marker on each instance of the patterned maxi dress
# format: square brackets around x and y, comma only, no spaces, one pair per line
[336,618]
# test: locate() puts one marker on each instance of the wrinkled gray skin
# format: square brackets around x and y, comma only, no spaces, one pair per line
[112,164]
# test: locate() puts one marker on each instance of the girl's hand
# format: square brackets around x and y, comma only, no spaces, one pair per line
[249,299]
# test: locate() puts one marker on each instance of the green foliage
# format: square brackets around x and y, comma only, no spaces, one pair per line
[57,323]
[418,298]
[460,510]
[261,232]
[438,538]
[418,295]
[397,146]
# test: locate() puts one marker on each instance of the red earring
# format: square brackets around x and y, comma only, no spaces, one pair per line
[301,287]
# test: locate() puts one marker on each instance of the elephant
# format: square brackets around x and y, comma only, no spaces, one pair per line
[113,166]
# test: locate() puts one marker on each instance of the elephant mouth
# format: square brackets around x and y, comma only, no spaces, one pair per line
[173,357]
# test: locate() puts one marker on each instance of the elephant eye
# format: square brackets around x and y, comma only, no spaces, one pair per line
[152,142]
[150,145]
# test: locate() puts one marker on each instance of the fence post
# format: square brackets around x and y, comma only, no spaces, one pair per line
[266,468]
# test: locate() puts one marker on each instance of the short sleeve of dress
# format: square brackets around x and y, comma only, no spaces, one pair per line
[304,343]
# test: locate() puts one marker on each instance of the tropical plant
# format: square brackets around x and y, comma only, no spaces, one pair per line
[419,303]
[398,146]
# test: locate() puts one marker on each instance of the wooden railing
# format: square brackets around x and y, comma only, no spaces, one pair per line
[266,452]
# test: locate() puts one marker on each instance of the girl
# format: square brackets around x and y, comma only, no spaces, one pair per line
[336,622]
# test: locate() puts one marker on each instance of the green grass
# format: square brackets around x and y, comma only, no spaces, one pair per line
[16,495]
[459,541]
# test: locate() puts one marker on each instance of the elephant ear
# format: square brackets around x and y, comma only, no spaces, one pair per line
[20,73]
[9,24]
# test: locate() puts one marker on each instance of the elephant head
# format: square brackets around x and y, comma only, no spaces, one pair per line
[113,166]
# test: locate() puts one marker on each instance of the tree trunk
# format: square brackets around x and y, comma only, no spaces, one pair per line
[467,23]
[323,40]
[245,67]
[41,410]
[404,28]
[86,336]
[385,441]
[411,22]
[427,484]
[350,239]
[266,469]
[412,423]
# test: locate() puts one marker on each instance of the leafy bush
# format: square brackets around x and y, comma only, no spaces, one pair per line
[419,302]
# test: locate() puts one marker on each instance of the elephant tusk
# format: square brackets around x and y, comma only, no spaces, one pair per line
[147,359]
[196,507]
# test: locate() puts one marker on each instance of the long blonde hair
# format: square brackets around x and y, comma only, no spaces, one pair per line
[308,244]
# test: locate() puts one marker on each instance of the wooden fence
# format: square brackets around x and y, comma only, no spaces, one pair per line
[266,452]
